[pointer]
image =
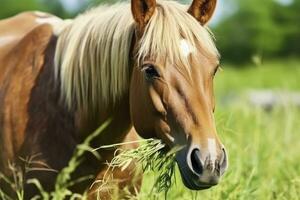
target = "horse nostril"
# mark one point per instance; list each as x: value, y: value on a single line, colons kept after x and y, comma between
x: 196, y: 162
x: 224, y: 160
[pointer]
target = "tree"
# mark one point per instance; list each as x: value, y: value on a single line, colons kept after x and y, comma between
x: 265, y: 28
x: 9, y: 8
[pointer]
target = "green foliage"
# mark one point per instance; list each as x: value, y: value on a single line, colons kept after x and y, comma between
x: 16, y: 183
x: 151, y: 156
x: 63, y: 181
x: 288, y: 19
x: 10, y: 8
x: 267, y: 29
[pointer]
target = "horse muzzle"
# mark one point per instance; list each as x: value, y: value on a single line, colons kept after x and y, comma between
x: 200, y: 169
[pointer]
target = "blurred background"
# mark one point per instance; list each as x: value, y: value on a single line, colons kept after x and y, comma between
x: 257, y: 94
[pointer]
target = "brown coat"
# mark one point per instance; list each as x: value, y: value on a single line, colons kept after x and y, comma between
x: 34, y: 123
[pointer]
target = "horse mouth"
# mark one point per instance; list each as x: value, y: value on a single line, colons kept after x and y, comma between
x: 190, y: 182
x: 190, y: 179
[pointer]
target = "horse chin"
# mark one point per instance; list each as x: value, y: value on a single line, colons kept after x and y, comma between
x: 189, y: 180
x: 190, y: 183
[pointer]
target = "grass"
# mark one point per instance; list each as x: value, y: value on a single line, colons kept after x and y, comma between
x: 263, y: 147
x: 264, y: 157
x: 151, y: 156
x: 63, y: 181
x: 282, y: 74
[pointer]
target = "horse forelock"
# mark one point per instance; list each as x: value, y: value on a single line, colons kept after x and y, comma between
x: 93, y: 54
x: 174, y: 34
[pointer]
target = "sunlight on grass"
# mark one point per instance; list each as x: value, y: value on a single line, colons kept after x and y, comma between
x: 263, y: 157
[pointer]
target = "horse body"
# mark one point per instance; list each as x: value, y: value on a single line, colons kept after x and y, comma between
x: 17, y: 79
x: 34, y: 122
x: 60, y: 80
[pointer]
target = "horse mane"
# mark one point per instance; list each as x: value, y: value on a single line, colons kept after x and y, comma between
x: 93, y: 53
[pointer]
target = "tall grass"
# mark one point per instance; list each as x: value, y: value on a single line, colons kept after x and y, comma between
x: 63, y: 181
x: 151, y: 156
x: 264, y: 156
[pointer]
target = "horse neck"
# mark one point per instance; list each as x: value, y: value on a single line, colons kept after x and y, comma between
x: 87, y: 122
x: 76, y: 123
x: 119, y: 113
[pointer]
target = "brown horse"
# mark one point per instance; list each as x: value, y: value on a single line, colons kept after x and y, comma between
x: 149, y: 68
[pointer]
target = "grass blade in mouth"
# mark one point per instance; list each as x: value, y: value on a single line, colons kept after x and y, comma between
x: 151, y: 155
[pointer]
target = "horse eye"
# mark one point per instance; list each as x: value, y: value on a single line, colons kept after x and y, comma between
x: 150, y: 71
x: 216, y: 70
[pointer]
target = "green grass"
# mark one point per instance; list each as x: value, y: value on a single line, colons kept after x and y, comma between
x: 264, y: 155
x: 63, y: 181
x: 150, y: 156
x: 282, y: 74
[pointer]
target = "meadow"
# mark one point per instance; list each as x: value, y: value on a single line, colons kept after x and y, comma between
x: 263, y: 146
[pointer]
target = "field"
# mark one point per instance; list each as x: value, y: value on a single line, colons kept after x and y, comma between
x: 263, y: 147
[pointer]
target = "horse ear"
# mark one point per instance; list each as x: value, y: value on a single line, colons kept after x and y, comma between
x: 142, y: 11
x: 202, y: 10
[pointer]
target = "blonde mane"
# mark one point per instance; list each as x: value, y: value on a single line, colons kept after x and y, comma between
x: 93, y: 53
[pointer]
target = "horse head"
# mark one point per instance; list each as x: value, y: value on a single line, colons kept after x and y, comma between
x: 171, y: 91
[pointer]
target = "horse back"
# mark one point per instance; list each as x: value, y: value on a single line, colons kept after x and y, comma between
x: 13, y: 29
x: 22, y: 47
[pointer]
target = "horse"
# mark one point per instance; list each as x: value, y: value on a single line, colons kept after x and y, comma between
x: 147, y: 65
